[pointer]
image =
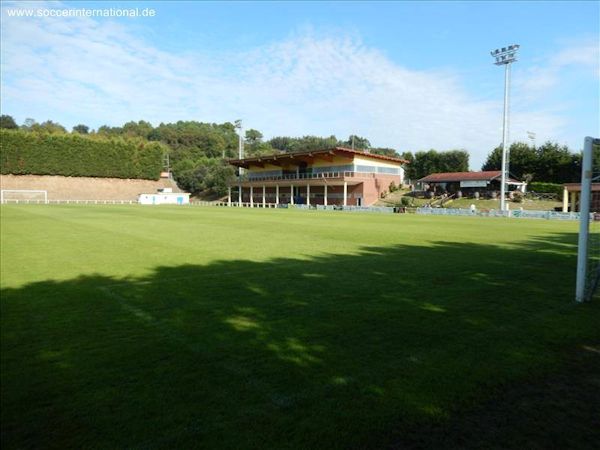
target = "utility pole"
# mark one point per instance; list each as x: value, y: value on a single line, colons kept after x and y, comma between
x: 505, y: 57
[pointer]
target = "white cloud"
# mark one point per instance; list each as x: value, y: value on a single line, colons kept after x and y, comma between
x: 584, y: 55
x: 95, y: 72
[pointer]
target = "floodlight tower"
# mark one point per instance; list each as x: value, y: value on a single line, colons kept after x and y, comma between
x: 505, y: 57
x: 238, y: 125
x: 531, y: 135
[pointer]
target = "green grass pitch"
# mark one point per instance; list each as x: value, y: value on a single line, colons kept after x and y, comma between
x: 174, y: 327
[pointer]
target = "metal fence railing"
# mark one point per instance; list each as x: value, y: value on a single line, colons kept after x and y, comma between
x: 550, y: 196
x: 69, y: 202
x: 517, y: 213
x: 310, y: 176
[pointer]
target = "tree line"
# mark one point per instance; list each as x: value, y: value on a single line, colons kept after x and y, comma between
x: 198, y: 151
x: 549, y: 163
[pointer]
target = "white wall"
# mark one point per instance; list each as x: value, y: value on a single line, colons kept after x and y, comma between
x: 164, y: 199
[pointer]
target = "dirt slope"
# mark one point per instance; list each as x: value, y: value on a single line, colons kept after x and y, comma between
x: 86, y: 188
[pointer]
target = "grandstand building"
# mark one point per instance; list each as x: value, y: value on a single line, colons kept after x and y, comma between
x: 335, y: 176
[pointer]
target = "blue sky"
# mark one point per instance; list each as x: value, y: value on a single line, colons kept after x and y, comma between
x: 407, y: 75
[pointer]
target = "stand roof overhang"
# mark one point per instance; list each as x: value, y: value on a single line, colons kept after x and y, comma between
x: 455, y: 177
x: 310, y: 156
x: 576, y: 187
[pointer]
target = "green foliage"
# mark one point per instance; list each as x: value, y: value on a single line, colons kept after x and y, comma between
x: 258, y: 149
x: 406, y: 201
x: 305, y: 143
x: 141, y: 129
x: 253, y: 136
x: 48, y: 126
x: 28, y: 124
x: 549, y: 162
x: 385, y: 151
x: 23, y: 153
x: 432, y: 161
x: 517, y: 197
x: 107, y: 131
x: 194, y: 140
x: 254, y: 145
x: 289, y: 144
x: 359, y: 143
x: 208, y: 175
x: 8, y: 122
x: 195, y: 149
x: 557, y: 164
x: 81, y: 129
x: 409, y: 169
x: 548, y: 188
x: 392, y: 187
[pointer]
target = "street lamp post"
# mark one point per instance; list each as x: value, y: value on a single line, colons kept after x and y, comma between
x: 505, y: 57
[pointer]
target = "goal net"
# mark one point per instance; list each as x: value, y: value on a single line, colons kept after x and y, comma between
x: 588, y: 252
x: 23, y: 196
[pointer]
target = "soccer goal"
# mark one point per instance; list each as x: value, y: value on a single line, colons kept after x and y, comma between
x: 588, y: 251
x: 23, y: 196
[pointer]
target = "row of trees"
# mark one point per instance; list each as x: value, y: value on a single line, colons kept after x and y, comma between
x: 423, y: 163
x: 197, y: 151
x: 549, y: 162
x: 31, y: 153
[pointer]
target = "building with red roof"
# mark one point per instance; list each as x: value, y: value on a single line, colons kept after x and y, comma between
x: 466, y: 182
x: 333, y: 176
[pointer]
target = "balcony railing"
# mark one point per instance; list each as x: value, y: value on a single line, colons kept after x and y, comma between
x: 309, y: 176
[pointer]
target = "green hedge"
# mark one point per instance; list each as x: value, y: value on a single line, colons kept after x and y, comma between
x: 28, y: 153
x: 547, y: 188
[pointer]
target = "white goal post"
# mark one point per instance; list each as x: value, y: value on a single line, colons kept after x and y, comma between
x: 588, y: 261
x: 24, y: 195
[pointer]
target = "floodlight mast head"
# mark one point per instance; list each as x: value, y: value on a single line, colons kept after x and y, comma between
x: 505, y: 55
x: 238, y: 125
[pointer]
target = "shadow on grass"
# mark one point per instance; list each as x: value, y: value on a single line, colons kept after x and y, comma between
x: 393, y: 345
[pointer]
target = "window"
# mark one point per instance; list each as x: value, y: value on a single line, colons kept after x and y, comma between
x: 268, y: 173
x: 346, y: 168
x: 389, y: 170
x: 378, y: 169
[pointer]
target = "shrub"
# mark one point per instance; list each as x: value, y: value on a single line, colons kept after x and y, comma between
x: 73, y: 155
x: 393, y: 187
x: 517, y: 197
x: 549, y: 188
x: 406, y: 201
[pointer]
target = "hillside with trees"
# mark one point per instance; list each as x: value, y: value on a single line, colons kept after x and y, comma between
x: 197, y: 152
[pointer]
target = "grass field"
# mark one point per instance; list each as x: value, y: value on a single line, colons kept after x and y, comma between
x: 170, y: 327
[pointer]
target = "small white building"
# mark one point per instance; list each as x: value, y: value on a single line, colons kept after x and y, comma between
x: 164, y: 198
